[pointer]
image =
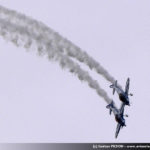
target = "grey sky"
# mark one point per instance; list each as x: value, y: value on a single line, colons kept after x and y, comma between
x: 40, y: 102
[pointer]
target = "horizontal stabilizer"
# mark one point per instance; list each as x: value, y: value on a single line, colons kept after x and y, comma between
x: 110, y: 106
x: 114, y: 86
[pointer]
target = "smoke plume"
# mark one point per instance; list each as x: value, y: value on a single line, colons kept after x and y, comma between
x: 21, y: 36
x: 61, y: 44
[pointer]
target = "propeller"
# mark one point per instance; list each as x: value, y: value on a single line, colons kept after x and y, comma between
x: 126, y: 115
x: 131, y: 94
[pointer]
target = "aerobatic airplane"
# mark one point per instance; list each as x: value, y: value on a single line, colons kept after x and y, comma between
x: 123, y: 96
x: 119, y: 116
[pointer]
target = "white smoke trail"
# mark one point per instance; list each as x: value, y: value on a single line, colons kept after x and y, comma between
x: 61, y: 44
x: 21, y: 36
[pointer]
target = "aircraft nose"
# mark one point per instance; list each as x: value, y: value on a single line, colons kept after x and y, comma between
x: 124, y: 123
x: 128, y: 103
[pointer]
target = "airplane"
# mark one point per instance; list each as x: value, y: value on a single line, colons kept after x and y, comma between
x: 119, y: 116
x: 123, y: 96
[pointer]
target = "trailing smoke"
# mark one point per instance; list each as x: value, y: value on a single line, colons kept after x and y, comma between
x: 61, y: 44
x: 21, y: 36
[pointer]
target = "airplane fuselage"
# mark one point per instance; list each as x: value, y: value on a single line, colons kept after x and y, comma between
x: 120, y: 119
x: 122, y: 96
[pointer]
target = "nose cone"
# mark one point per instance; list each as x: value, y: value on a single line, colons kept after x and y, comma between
x: 124, y: 123
x: 127, y: 102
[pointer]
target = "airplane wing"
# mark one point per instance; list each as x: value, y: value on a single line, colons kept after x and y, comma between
x: 122, y: 109
x: 127, y: 86
x: 117, y: 130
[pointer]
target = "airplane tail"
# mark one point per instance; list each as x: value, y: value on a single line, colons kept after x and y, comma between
x: 113, y: 86
x: 110, y: 106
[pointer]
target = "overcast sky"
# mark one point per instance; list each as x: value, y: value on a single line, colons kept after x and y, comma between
x: 40, y: 102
